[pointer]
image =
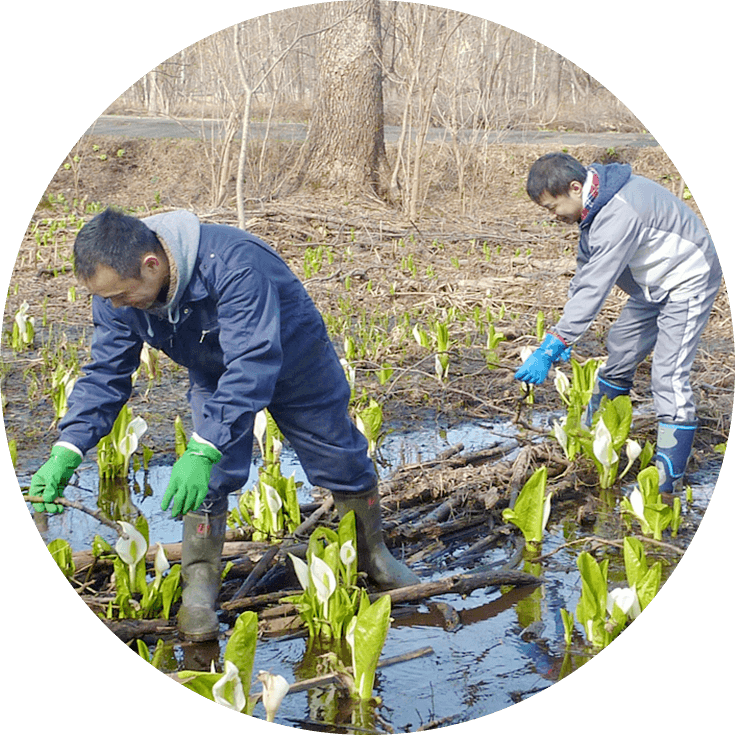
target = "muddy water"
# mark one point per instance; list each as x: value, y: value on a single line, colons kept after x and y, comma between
x: 498, y: 649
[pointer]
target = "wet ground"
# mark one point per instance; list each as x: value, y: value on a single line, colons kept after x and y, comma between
x: 494, y: 648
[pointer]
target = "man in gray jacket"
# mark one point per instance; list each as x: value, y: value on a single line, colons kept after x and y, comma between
x: 223, y: 304
x: 639, y: 236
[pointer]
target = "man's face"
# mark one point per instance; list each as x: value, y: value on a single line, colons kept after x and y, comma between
x: 566, y: 207
x: 141, y: 293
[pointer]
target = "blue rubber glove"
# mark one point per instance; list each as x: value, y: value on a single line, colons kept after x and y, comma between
x: 536, y: 367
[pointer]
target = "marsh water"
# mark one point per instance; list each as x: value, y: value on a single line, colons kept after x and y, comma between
x: 501, y: 646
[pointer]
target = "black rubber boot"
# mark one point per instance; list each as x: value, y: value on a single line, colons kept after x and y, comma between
x: 373, y: 556
x: 201, y: 572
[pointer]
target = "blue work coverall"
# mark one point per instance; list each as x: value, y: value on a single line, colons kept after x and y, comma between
x: 251, y: 338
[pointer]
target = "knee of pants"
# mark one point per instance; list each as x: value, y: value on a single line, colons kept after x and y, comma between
x: 330, y: 448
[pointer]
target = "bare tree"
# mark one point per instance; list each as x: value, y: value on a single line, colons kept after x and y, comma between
x: 337, y: 66
x: 426, y: 34
x: 345, y: 149
x: 554, y: 86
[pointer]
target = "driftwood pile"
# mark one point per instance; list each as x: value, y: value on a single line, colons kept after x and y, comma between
x: 442, y: 516
x: 439, y: 515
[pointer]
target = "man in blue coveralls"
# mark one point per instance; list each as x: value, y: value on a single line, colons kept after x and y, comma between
x: 223, y: 304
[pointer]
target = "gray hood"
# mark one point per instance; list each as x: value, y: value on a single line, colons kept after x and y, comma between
x: 178, y: 233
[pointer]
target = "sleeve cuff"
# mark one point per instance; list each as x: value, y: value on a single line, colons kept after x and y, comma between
x: 67, y: 445
x: 199, y: 439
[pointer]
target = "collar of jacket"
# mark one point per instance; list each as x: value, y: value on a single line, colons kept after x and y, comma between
x: 613, y: 177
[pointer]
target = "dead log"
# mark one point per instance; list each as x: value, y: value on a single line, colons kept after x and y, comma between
x: 231, y: 550
x: 258, y: 571
x: 520, y: 471
x: 258, y: 601
x: 127, y: 630
x: 461, y: 584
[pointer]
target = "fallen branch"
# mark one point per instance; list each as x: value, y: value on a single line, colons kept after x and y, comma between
x: 461, y: 584
x: 597, y: 541
x: 312, y: 520
x: 96, y: 514
x: 458, y: 584
x: 128, y: 629
x: 258, y: 601
x: 230, y: 550
x: 258, y: 571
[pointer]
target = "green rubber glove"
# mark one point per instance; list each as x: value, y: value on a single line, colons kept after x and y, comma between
x: 51, y: 478
x: 189, y: 481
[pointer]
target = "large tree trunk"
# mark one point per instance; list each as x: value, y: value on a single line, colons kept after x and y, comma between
x: 554, y: 89
x: 346, y: 148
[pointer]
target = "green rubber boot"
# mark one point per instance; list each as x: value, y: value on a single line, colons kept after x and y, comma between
x: 201, y: 572
x: 373, y: 556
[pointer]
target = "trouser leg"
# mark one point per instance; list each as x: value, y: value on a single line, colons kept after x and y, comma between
x: 231, y: 473
x: 311, y: 410
x: 629, y: 341
x: 672, y: 330
x: 680, y: 327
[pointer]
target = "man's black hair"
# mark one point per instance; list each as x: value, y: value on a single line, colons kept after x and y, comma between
x: 116, y: 240
x: 554, y: 173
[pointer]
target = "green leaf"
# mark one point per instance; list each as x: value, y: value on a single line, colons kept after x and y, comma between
x: 291, y: 504
x: 540, y: 325
x: 61, y: 552
x: 100, y: 547
x: 180, y: 440
x: 593, y: 601
x: 648, y: 586
x: 370, y: 422
x: 567, y: 620
x: 122, y: 588
x: 170, y: 590
x: 200, y: 682
x: 636, y: 565
x: 347, y: 530
x: 646, y: 454
x: 659, y: 517
x: 241, y: 647
x: 618, y: 417
x: 528, y: 511
x: 371, y: 630
x: 648, y: 483
x: 158, y: 653
x: 143, y: 651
